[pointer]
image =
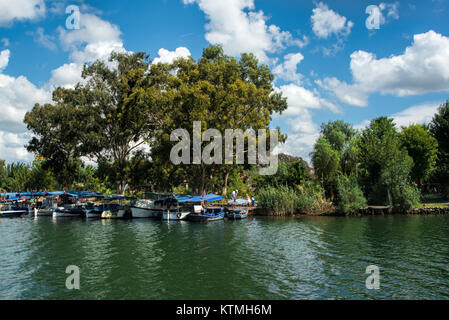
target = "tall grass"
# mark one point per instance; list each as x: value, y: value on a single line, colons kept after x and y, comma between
x: 284, y: 200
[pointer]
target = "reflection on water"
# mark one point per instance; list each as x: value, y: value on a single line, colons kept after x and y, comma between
x: 261, y: 258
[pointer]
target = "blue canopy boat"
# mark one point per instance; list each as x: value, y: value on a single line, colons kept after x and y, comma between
x: 201, y: 214
x: 209, y: 214
x: 237, y: 214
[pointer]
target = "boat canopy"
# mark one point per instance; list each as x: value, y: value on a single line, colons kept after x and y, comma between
x: 207, y: 198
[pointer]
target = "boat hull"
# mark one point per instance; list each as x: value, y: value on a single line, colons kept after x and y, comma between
x: 13, y: 214
x: 167, y: 215
x: 93, y: 214
x: 205, y: 217
x: 68, y: 214
x: 143, y: 213
x: 116, y: 214
x: 237, y: 216
x: 44, y: 212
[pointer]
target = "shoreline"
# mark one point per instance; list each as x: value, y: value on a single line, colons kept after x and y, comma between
x: 369, y: 211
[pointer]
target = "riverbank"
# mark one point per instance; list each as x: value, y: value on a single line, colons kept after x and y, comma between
x: 368, y: 211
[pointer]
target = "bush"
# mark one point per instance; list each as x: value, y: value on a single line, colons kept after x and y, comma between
x: 349, y: 196
x: 283, y: 200
x: 405, y: 197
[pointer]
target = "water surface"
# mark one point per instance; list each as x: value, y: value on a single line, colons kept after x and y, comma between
x: 261, y: 258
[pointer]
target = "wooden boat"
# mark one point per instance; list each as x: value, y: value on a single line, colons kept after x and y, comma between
x: 207, y: 215
x: 237, y: 214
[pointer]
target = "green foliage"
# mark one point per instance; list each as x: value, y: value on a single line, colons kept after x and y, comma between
x: 291, y: 172
x: 284, y: 200
x: 385, y: 165
x: 106, y: 117
x: 422, y: 147
x: 440, y: 129
x: 326, y: 162
x: 218, y: 90
x: 338, y: 133
x: 350, y: 197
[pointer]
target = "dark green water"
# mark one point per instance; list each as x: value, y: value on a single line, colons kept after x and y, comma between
x: 261, y: 258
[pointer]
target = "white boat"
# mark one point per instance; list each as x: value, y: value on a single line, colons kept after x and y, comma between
x: 143, y: 209
x: 175, y: 215
x: 47, y: 208
x: 151, y: 206
x: 10, y: 211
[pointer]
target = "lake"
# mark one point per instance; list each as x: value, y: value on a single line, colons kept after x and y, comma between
x: 260, y: 258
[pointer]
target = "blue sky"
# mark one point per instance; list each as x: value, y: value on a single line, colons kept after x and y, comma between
x: 326, y: 61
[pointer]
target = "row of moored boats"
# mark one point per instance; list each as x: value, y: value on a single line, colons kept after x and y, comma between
x: 163, y: 206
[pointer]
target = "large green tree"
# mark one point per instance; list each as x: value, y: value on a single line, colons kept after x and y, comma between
x: 439, y: 126
x: 385, y: 166
x: 422, y: 147
x: 106, y: 117
x: 219, y: 91
x: 326, y: 162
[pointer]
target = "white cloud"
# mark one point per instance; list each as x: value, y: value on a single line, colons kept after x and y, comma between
x: 391, y: 10
x: 302, y: 131
x: 95, y: 39
x: 11, y: 10
x: 166, y: 56
x: 4, y: 59
x: 326, y: 22
x: 288, y: 69
x: 12, y: 147
x: 44, y: 39
x: 422, y: 68
x: 300, y: 99
x: 419, y: 114
x: 239, y: 28
x: 18, y: 95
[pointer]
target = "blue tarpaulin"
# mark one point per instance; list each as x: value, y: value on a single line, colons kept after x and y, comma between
x: 206, y: 198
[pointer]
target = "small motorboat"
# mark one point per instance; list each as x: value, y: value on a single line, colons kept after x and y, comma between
x: 207, y: 215
x: 94, y: 212
x: 237, y: 214
x: 74, y: 212
x: 116, y: 210
x: 175, y: 215
x: 12, y: 211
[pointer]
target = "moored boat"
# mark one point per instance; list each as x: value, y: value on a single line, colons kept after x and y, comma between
x: 151, y: 206
x: 11, y: 211
x: 207, y: 215
x: 74, y: 212
x: 116, y: 210
x: 237, y: 214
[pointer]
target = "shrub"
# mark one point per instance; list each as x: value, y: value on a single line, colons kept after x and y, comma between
x: 349, y: 196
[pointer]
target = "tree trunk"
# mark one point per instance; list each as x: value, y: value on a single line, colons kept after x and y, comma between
x: 225, y: 184
x: 203, y: 178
